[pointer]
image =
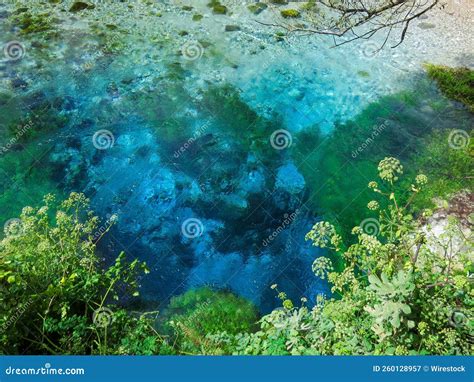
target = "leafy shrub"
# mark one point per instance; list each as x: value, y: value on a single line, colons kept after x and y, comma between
x: 403, y: 291
x: 57, y: 297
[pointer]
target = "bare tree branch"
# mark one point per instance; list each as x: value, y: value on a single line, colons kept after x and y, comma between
x: 357, y: 19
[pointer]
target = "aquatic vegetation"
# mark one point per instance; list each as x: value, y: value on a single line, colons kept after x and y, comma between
x: 456, y: 83
x: 30, y: 23
x: 186, y: 116
x: 52, y: 278
x: 202, y: 312
x: 238, y: 120
x: 448, y: 169
x: 257, y: 8
x: 290, y: 13
x: 391, y: 301
x: 217, y: 7
x: 339, y: 165
x: 78, y: 6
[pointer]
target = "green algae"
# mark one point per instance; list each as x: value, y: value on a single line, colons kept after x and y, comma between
x: 290, y: 13
x: 257, y: 8
x: 455, y: 83
x: 241, y: 122
x: 338, y: 167
x: 26, y: 178
x: 217, y: 7
x: 30, y: 23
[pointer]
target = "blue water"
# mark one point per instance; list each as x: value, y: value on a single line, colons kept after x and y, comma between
x: 202, y: 195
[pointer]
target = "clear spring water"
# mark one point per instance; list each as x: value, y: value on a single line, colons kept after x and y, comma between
x: 187, y: 137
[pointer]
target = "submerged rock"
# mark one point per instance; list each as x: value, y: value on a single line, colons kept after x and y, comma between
x: 232, y: 28
x: 289, y: 179
x: 80, y: 6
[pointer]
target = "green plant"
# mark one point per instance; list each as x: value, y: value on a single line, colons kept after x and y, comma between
x: 455, y: 83
x: 202, y: 312
x: 404, y: 289
x: 290, y: 13
x: 57, y: 296
x: 30, y: 23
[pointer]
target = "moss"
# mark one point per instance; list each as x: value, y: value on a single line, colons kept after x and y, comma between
x: 206, y: 311
x: 197, y: 17
x: 363, y: 73
x: 279, y: 2
x: 32, y: 23
x: 447, y: 169
x: 241, y: 122
x: 455, y: 83
x: 217, y: 7
x: 290, y: 13
x: 257, y: 8
x: 78, y: 6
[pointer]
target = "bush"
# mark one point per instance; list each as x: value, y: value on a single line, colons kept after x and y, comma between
x: 57, y: 297
x: 403, y: 290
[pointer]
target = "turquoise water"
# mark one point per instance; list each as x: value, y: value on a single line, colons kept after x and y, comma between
x: 189, y: 139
